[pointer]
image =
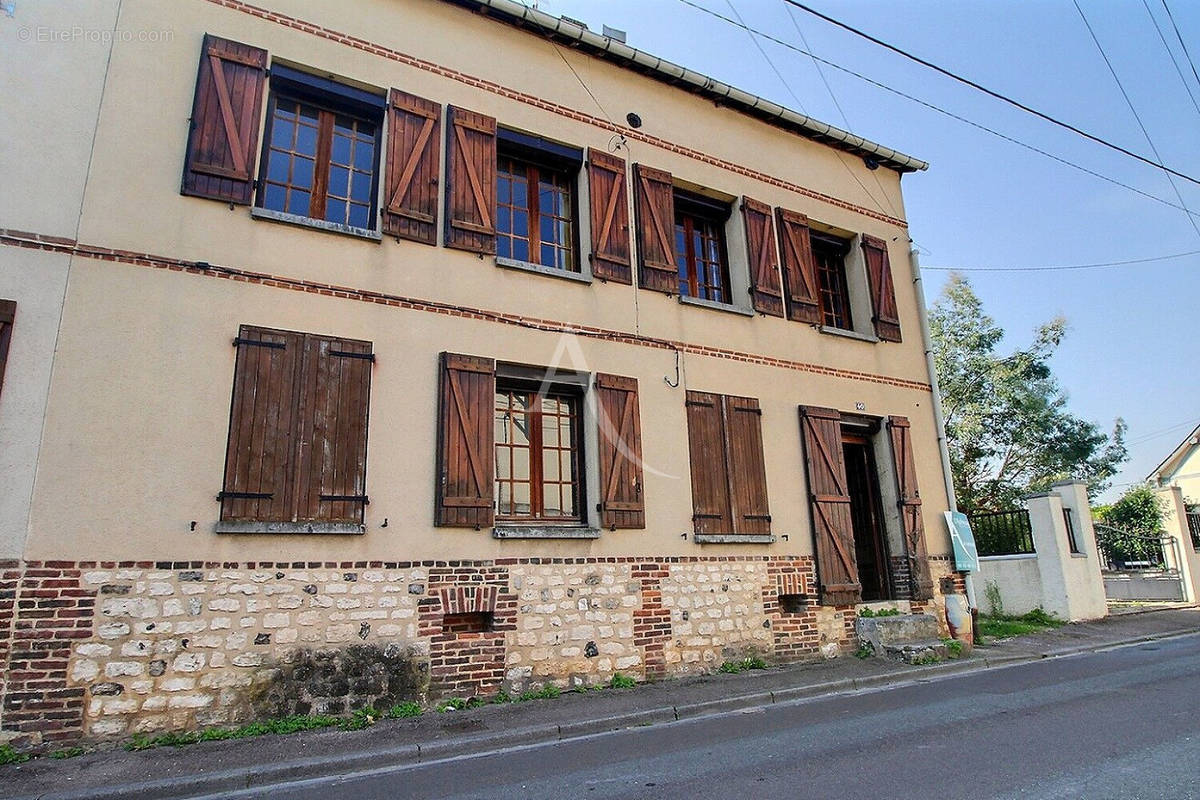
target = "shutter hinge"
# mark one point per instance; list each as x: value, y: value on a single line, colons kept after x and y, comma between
x: 244, y: 496
x: 347, y: 354
x: 763, y: 517
x: 750, y: 410
x: 345, y: 498
x: 238, y: 342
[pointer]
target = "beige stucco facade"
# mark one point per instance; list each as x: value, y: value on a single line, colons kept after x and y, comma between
x: 1181, y: 469
x: 115, y: 409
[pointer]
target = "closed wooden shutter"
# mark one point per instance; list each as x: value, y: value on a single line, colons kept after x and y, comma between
x: 765, y: 290
x: 471, y: 181
x: 223, y: 140
x: 466, y: 442
x: 8, y: 314
x: 833, y: 530
x: 747, y: 470
x: 332, y: 454
x: 801, y: 292
x: 711, y: 507
x: 414, y: 149
x: 297, y: 428
x: 621, y: 502
x: 655, y: 205
x: 883, y: 290
x: 260, y: 461
x: 905, y: 468
x: 609, y: 217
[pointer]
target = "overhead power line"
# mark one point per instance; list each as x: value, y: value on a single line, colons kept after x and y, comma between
x: 1057, y: 267
x: 1178, y: 69
x: 992, y: 93
x: 1133, y: 110
x: 933, y: 107
x: 1182, y: 43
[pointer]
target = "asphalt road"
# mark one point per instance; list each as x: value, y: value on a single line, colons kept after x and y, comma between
x: 1122, y: 724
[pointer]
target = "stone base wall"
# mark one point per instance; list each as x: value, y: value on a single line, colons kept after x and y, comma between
x: 92, y: 650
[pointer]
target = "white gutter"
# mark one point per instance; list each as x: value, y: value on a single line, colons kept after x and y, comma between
x: 702, y: 83
x: 939, y: 419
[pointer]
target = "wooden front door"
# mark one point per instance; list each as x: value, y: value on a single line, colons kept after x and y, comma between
x: 862, y: 479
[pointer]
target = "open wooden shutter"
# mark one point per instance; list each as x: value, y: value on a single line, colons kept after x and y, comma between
x: 609, y: 217
x: 466, y: 442
x: 883, y: 290
x: 8, y: 313
x: 655, y: 205
x: 747, y: 470
x: 910, y: 508
x: 332, y: 457
x: 414, y: 146
x: 621, y: 501
x: 833, y: 530
x: 223, y: 140
x: 800, y: 287
x: 711, y: 509
x: 765, y: 291
x: 260, y: 457
x: 471, y: 181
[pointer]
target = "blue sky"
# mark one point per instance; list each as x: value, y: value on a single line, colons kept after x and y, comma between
x: 986, y: 202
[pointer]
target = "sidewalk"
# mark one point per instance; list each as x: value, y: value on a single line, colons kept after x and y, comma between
x: 211, y: 767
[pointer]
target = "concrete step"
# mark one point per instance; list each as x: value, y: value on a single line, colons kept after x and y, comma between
x: 904, y: 636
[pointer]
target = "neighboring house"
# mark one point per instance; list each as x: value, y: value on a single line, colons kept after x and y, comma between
x: 1181, y: 468
x: 431, y: 372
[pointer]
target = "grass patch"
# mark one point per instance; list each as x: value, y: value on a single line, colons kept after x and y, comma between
x: 10, y: 756
x: 281, y: 726
x: 864, y: 652
x: 547, y: 692
x: 403, y: 710
x: 619, y: 681
x: 1000, y: 626
x: 68, y: 752
x: 868, y: 613
x: 741, y: 665
x: 954, y: 648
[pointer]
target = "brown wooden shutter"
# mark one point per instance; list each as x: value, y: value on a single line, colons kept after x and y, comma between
x: 8, y: 314
x: 414, y: 147
x: 883, y: 290
x: 223, y: 140
x: 765, y: 290
x: 609, y: 217
x: 833, y: 531
x: 655, y: 206
x: 260, y: 457
x: 621, y: 501
x: 466, y: 442
x: 905, y: 468
x: 332, y: 451
x: 711, y: 508
x: 801, y: 292
x: 747, y: 470
x: 470, y: 181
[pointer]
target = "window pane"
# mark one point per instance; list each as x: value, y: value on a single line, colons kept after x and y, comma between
x: 306, y: 140
x: 550, y: 501
x: 364, y: 155
x: 276, y: 196
x: 298, y: 203
x: 549, y: 256
x: 360, y: 216
x: 521, y: 223
x: 335, y: 210
x: 503, y: 247
x: 360, y: 187
x: 504, y: 496
x: 521, y: 249
x: 282, y: 132
x: 302, y: 173
x: 340, y: 154
x: 277, y: 167
x: 339, y: 180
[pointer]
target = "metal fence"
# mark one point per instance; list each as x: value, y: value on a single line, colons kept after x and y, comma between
x: 1003, y: 533
x: 1193, y: 522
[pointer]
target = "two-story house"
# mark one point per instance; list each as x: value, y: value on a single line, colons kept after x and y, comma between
x: 354, y: 351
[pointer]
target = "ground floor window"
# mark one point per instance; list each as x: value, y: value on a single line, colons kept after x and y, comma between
x: 537, y: 454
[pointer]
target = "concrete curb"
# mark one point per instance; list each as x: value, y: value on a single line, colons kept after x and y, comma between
x: 264, y: 776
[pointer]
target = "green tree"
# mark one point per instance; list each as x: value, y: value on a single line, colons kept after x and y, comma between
x: 1127, y: 524
x: 1007, y: 425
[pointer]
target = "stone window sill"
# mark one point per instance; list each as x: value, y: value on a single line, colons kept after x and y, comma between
x: 337, y: 528
x: 1011, y: 557
x: 318, y: 224
x: 862, y: 337
x: 544, y: 532
x: 542, y: 269
x: 1078, y: 555
x: 715, y: 306
x: 733, y: 538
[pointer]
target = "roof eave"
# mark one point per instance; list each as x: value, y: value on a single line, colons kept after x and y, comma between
x: 562, y: 30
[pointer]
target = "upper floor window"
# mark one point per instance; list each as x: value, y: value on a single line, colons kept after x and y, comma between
x: 535, y: 201
x: 700, y: 252
x: 829, y: 253
x: 321, y: 157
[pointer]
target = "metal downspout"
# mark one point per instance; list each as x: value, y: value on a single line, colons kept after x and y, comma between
x: 938, y: 417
